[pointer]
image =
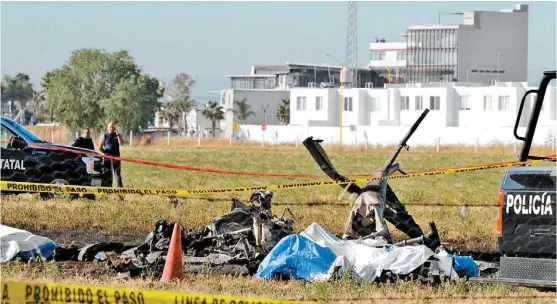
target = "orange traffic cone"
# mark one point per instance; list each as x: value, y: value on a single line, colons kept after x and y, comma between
x: 173, y: 266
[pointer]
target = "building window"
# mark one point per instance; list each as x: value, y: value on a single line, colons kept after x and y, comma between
x: 404, y: 103
x: 418, y: 103
x: 464, y: 105
x: 376, y: 55
x: 318, y: 103
x: 301, y: 103
x: 348, y: 104
x: 375, y: 104
x: 487, y: 103
x: 434, y: 102
x: 401, y: 55
x: 504, y: 103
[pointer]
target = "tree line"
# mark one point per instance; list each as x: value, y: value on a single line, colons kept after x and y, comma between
x: 95, y: 86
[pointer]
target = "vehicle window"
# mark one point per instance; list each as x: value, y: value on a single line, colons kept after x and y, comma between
x: 27, y: 133
x: 5, y: 136
x: 531, y: 181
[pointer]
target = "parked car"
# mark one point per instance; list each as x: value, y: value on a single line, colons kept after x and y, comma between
x: 27, y: 158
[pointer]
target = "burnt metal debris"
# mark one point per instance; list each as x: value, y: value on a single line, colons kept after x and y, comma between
x: 234, y: 243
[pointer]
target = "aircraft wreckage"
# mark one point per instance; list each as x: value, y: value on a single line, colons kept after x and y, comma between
x: 252, y: 241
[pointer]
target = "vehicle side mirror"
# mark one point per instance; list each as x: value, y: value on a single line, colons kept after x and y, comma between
x: 18, y: 143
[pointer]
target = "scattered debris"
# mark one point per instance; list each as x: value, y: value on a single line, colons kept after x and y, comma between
x: 317, y: 255
x: 231, y: 244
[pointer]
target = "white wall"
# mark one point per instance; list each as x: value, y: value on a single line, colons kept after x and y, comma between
x: 303, y: 117
x: 391, y: 50
x: 382, y: 96
x: 448, y: 122
x: 352, y: 117
x: 477, y: 116
x: 491, y: 33
x: 391, y: 135
x: 394, y: 105
x: 330, y: 115
x: 435, y: 118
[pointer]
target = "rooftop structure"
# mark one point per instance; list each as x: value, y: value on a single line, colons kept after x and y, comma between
x: 293, y: 75
x: 488, y: 46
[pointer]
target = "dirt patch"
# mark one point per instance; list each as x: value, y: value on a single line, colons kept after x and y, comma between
x: 84, y: 236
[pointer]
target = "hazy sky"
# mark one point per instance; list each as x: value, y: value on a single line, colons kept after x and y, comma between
x: 213, y: 39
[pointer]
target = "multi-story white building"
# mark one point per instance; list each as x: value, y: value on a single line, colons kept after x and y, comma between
x: 451, y: 105
x: 488, y: 46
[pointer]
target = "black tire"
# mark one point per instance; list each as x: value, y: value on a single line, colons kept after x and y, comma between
x: 50, y: 195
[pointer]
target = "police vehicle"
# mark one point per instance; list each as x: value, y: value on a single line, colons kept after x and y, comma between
x: 527, y: 215
x: 27, y: 158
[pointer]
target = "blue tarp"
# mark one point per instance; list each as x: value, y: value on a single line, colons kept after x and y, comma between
x: 43, y: 251
x: 296, y: 257
x: 302, y: 257
x: 465, y: 266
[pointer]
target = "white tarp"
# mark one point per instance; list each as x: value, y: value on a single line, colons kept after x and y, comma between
x: 16, y: 242
x: 370, y: 257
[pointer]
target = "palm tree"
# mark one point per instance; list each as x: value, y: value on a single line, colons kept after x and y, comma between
x: 36, y: 102
x: 243, y: 111
x: 23, y: 89
x: 19, y: 90
x: 283, y: 111
x: 176, y: 108
x: 185, y: 105
x: 214, y: 113
x: 45, y: 82
x: 169, y: 113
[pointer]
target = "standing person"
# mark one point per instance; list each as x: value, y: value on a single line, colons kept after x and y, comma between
x: 84, y: 141
x: 110, y: 145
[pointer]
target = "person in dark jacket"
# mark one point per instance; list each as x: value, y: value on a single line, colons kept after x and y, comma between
x: 84, y: 141
x: 110, y: 145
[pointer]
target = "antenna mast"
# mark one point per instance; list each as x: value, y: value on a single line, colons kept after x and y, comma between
x: 351, y: 61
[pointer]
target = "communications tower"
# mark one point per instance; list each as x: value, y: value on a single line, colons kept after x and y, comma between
x: 351, y: 60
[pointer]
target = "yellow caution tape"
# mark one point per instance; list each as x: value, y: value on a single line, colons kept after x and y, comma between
x: 54, y: 188
x: 25, y: 292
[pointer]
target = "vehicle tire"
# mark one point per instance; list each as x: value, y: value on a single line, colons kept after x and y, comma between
x: 50, y: 195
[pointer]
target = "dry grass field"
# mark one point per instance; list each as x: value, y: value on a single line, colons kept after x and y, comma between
x: 108, y: 219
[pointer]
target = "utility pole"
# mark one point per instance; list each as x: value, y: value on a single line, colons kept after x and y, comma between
x: 498, y: 74
x: 342, y: 80
x: 264, y: 113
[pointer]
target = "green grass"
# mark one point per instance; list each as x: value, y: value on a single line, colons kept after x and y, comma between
x: 476, y: 230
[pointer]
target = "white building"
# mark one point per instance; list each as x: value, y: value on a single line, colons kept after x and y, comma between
x: 265, y: 88
x: 389, y: 59
x: 451, y: 105
x: 488, y: 46
x: 460, y: 114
